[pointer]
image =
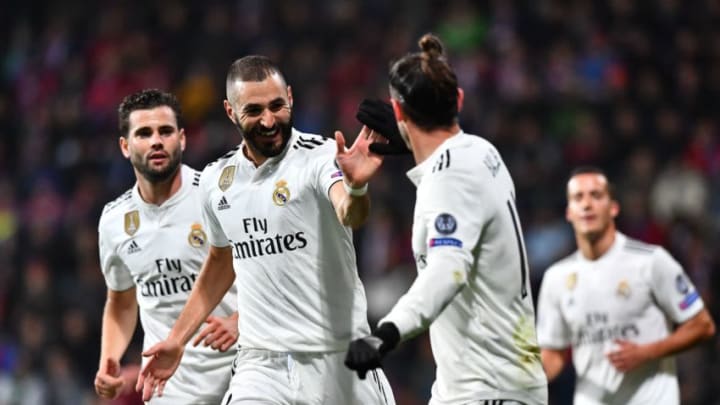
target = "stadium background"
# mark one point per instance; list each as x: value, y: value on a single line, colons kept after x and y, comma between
x: 628, y: 85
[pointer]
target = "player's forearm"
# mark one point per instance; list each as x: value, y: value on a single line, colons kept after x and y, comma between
x: 553, y: 362
x: 354, y: 210
x: 118, y: 325
x: 430, y: 293
x: 216, y: 278
x: 695, y: 330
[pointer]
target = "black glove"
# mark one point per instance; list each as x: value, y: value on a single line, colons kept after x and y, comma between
x: 366, y: 353
x: 378, y: 116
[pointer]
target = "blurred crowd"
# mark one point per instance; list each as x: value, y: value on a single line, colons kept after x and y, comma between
x: 626, y: 85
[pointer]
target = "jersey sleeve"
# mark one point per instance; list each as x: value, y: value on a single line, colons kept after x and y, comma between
x: 327, y: 172
x: 672, y: 288
x: 453, y: 230
x: 552, y: 330
x: 216, y: 235
x: 117, y: 275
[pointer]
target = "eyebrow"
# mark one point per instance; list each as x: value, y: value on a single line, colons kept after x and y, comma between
x: 252, y: 106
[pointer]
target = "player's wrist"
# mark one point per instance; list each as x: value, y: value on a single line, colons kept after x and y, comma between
x: 354, y: 190
x: 389, y: 334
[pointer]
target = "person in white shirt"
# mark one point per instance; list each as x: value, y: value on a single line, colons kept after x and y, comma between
x: 152, y: 242
x: 472, y: 288
x: 280, y: 210
x: 623, y: 306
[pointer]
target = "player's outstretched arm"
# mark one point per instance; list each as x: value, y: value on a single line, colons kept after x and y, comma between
x: 220, y: 333
x: 630, y: 356
x: 216, y: 278
x: 118, y: 325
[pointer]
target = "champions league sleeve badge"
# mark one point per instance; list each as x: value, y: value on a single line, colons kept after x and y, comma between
x: 281, y: 194
x: 132, y: 222
x: 445, y: 224
x: 197, y: 236
x: 226, y: 178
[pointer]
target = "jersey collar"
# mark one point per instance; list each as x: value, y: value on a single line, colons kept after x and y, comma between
x: 417, y: 173
x: 185, y: 180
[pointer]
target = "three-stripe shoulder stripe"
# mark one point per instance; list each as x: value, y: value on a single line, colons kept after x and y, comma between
x: 227, y: 155
x: 310, y: 142
x: 196, y: 178
x: 638, y: 246
x: 112, y: 204
x: 443, y: 161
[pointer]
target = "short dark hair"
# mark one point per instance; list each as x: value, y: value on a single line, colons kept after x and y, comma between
x: 425, y: 85
x: 145, y: 100
x: 251, y: 68
x: 589, y: 169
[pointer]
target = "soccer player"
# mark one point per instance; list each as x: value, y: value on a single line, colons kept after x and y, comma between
x: 279, y: 209
x: 152, y: 242
x: 472, y: 288
x: 623, y: 306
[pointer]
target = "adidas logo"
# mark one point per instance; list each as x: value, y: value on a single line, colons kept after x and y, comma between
x: 133, y: 248
x: 223, y: 204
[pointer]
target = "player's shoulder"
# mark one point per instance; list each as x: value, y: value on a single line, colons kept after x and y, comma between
x: 194, y: 176
x: 636, y: 247
x: 310, y: 144
x: 217, y: 166
x: 462, y: 158
x: 563, y: 267
x: 116, y: 208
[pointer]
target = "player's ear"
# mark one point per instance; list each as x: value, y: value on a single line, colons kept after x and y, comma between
x: 123, y: 144
x: 614, y: 209
x: 229, y: 111
x: 182, y: 139
x: 397, y: 109
x: 290, y: 99
x: 460, y: 99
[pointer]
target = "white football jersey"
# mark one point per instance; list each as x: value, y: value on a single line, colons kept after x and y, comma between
x: 160, y: 250
x: 294, y: 261
x: 484, y: 339
x: 634, y: 292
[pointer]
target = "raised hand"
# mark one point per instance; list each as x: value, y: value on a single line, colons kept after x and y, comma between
x: 378, y: 116
x: 358, y: 164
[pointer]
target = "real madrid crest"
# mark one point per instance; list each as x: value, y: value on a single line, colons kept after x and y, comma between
x: 571, y: 281
x: 226, y: 178
x: 197, y: 236
x: 623, y: 289
x: 132, y: 222
x: 281, y: 194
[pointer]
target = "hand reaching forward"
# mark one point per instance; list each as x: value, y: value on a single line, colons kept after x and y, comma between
x: 164, y: 360
x: 358, y: 164
x: 220, y: 333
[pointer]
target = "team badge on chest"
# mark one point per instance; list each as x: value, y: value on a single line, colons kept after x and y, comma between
x: 623, y: 289
x: 571, y: 281
x: 132, y: 222
x: 281, y: 194
x: 197, y: 236
x: 226, y: 178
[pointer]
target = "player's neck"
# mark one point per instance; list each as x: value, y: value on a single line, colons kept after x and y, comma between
x: 158, y: 193
x: 424, y: 143
x: 252, y: 155
x: 592, y: 248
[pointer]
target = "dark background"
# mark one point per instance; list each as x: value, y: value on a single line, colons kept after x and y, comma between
x: 627, y: 85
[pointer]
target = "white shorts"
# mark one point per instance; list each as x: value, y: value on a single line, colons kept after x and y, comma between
x: 265, y: 377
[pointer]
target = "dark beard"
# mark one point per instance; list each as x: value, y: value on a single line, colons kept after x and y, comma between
x: 264, y: 149
x: 159, y: 176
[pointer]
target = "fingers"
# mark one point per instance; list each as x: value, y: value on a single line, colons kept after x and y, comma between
x: 226, y: 342
x: 340, y: 141
x: 206, y: 333
x: 148, y: 388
